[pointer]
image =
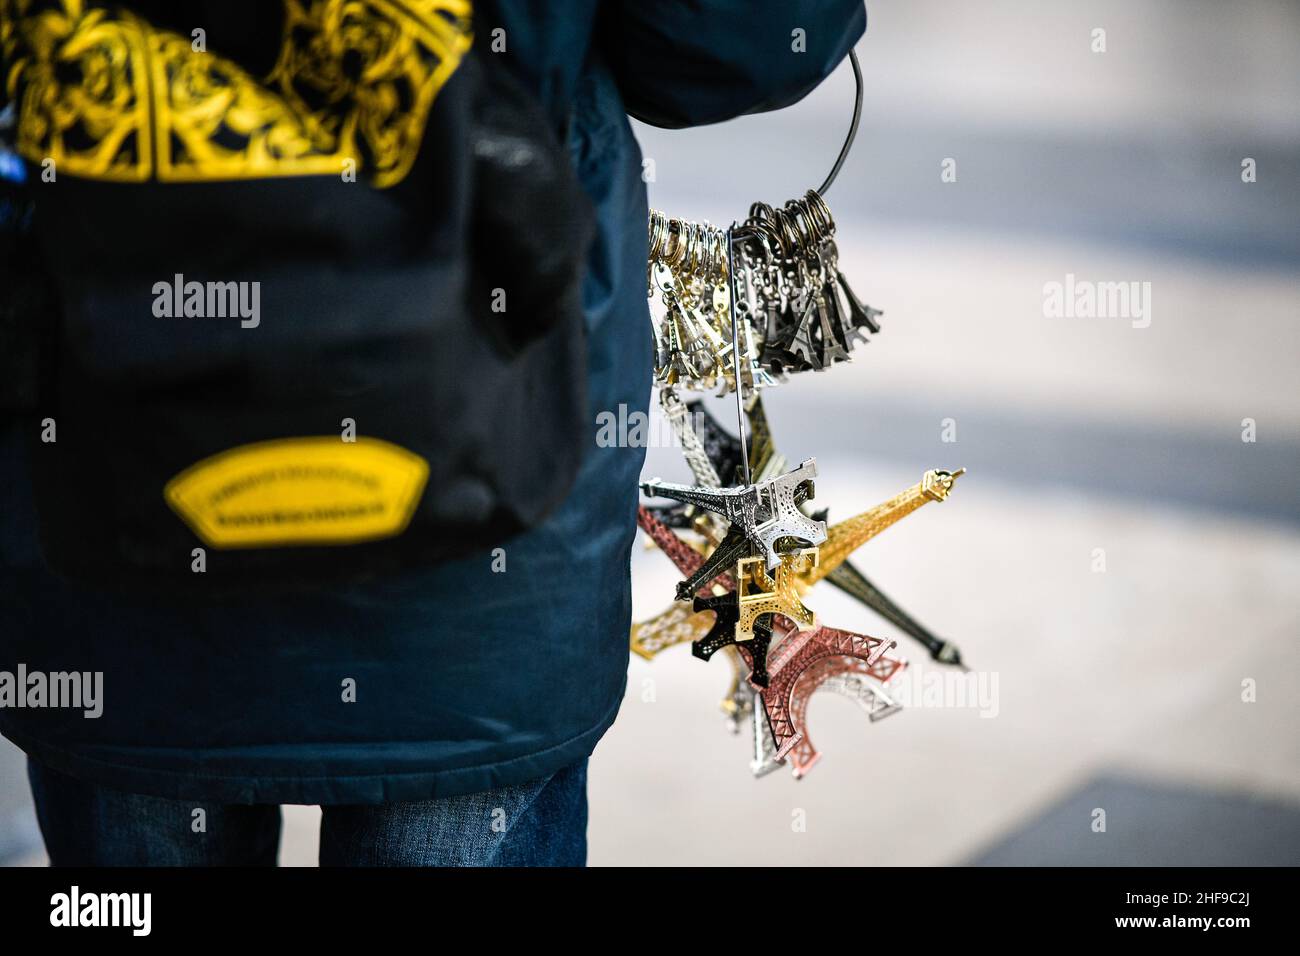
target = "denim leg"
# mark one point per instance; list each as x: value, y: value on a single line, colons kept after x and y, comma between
x: 539, y: 823
x: 87, y: 825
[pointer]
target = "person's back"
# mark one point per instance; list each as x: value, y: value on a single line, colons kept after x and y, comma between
x: 440, y: 713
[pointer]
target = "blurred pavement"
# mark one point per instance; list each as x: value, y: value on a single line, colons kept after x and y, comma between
x: 1120, y: 690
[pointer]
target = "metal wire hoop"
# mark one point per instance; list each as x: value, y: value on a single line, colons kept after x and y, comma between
x: 853, y: 127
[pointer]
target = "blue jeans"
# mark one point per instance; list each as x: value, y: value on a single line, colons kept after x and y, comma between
x: 540, y: 823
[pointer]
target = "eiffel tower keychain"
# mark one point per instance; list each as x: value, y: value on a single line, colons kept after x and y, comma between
x: 720, y: 452
x: 744, y: 309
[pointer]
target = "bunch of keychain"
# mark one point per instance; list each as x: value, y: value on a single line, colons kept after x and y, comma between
x: 794, y: 309
x: 744, y: 535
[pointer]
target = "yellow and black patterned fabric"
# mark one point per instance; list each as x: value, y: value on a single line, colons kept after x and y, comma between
x: 298, y: 322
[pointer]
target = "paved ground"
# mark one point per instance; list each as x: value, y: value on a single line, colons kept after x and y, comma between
x: 1119, y: 690
x: 1080, y: 434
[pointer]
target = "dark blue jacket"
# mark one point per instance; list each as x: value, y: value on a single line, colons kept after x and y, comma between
x: 466, y: 679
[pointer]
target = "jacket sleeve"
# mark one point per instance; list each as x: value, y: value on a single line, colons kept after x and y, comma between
x: 691, y: 62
